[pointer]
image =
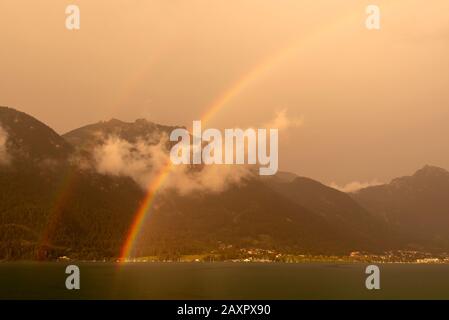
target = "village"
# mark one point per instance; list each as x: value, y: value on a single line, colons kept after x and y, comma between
x: 257, y: 255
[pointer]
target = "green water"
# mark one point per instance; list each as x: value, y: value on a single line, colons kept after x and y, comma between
x: 222, y: 281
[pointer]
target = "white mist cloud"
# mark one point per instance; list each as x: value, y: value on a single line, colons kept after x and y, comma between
x: 4, y: 156
x: 143, y: 162
x: 282, y: 122
x: 355, y: 185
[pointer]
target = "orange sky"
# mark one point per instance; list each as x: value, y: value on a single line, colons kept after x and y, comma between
x: 375, y: 104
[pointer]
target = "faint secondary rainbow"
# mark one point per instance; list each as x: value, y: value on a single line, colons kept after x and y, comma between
x: 66, y: 187
x: 235, y: 89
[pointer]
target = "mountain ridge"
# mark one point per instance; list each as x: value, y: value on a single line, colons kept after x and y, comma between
x: 417, y: 205
x: 93, y: 211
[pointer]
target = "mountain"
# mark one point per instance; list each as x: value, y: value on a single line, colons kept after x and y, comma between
x: 31, y: 140
x: 417, y: 206
x: 250, y: 215
x: 96, y: 133
x: 337, y: 209
x: 50, y: 206
x: 254, y: 213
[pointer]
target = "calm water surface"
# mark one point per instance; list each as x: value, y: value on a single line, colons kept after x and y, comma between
x: 222, y: 281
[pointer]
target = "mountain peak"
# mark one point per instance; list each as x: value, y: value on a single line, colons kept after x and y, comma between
x: 142, y: 120
x: 30, y: 138
x: 113, y: 121
x: 118, y: 122
x: 92, y: 134
x: 430, y: 171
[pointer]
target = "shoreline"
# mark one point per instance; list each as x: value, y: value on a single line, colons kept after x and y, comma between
x: 135, y: 262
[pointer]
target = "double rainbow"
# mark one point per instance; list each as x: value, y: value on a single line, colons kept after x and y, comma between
x: 235, y: 89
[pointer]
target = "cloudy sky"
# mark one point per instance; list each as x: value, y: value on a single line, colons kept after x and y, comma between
x: 373, y: 104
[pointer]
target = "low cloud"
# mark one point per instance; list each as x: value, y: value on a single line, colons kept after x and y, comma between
x: 355, y: 185
x: 145, y: 162
x: 282, y: 122
x: 4, y: 155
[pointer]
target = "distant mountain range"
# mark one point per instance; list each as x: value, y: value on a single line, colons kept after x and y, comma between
x: 415, y: 206
x: 51, y: 206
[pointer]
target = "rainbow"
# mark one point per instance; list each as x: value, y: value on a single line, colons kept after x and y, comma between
x: 235, y: 89
x: 215, y: 107
x: 67, y: 185
x: 143, y: 209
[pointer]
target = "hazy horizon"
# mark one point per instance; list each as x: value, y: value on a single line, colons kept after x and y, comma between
x: 372, y: 104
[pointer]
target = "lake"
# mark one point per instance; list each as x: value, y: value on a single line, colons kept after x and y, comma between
x: 27, y: 280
